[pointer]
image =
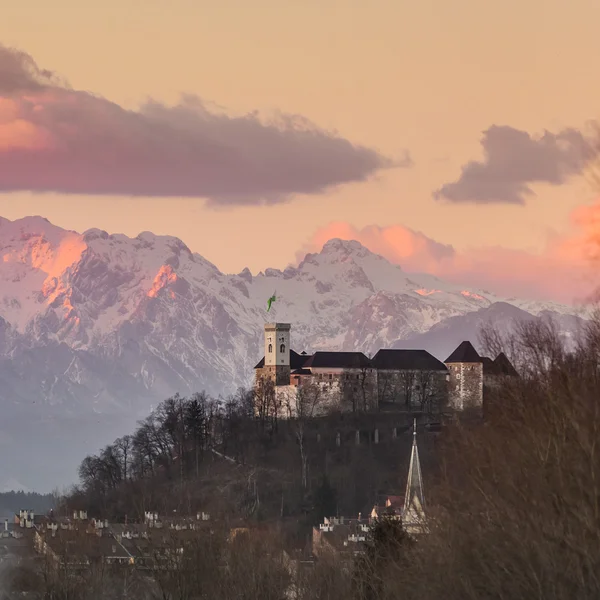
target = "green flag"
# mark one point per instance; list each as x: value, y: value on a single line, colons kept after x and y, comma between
x: 270, y: 301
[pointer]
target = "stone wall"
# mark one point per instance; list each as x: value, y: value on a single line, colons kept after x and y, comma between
x: 426, y: 390
x: 465, y: 385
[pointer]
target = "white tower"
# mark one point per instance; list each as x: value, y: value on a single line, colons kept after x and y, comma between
x: 277, y: 351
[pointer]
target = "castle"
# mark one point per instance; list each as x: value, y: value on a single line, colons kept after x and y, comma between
x: 352, y: 381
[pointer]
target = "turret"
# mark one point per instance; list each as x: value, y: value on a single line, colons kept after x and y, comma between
x: 277, y: 352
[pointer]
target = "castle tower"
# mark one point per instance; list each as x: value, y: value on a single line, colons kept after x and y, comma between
x: 413, y: 515
x: 465, y: 367
x: 277, y: 352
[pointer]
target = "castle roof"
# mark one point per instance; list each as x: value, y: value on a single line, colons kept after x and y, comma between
x: 465, y: 353
x: 504, y: 366
x: 301, y: 372
x: 489, y: 366
x: 407, y: 360
x: 296, y: 360
x: 337, y: 360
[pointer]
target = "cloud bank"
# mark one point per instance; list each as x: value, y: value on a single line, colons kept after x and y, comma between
x: 566, y: 271
x: 513, y: 160
x: 56, y: 139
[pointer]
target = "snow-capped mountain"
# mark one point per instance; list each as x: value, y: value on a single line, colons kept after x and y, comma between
x: 95, y: 329
x: 104, y: 321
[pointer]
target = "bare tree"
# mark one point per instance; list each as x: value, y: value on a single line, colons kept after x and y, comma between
x: 302, y: 404
x: 407, y: 380
x: 358, y: 389
x: 430, y: 390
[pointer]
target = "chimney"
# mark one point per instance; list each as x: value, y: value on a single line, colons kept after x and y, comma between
x: 5, y: 524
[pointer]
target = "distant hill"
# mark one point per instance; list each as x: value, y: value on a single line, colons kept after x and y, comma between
x: 12, y: 502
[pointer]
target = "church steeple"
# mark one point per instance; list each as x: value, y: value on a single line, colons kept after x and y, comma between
x: 414, y: 500
x: 414, y: 484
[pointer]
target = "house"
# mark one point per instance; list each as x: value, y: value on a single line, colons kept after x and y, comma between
x: 347, y: 537
x: 80, y: 547
x: 410, y: 508
x: 16, y: 543
x: 340, y: 536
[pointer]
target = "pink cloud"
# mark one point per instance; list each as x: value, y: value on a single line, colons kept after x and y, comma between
x: 54, y: 138
x: 566, y: 271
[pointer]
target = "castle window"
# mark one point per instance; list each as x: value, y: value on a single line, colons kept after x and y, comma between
x: 270, y: 348
x: 282, y: 348
x: 330, y: 376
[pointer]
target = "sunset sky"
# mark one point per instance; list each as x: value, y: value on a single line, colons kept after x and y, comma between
x: 425, y: 140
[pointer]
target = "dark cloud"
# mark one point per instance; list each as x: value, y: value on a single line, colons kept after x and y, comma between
x: 513, y: 160
x: 53, y: 138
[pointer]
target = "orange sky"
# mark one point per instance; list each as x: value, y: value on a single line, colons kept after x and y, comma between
x: 428, y: 77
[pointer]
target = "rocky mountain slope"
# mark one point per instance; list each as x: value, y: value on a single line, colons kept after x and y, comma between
x: 105, y: 325
x: 107, y: 322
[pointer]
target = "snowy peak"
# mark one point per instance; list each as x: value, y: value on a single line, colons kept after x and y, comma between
x: 106, y: 324
x: 112, y: 318
x: 345, y: 248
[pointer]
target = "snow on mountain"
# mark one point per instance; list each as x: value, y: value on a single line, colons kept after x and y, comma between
x: 97, y: 328
x: 12, y: 485
x: 106, y: 322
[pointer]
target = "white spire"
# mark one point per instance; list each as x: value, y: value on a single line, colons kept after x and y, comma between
x: 414, y: 484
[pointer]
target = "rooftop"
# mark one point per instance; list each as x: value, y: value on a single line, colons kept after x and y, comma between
x: 465, y: 353
x: 407, y: 360
x: 337, y: 360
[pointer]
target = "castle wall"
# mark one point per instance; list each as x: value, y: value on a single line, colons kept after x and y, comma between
x: 465, y: 385
x: 419, y: 389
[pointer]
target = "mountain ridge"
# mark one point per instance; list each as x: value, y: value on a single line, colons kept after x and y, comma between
x: 95, y: 328
x: 174, y: 321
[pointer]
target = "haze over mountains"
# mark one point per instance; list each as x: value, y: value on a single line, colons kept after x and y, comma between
x: 95, y: 329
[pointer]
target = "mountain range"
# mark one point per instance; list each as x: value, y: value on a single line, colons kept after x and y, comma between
x: 98, y: 328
